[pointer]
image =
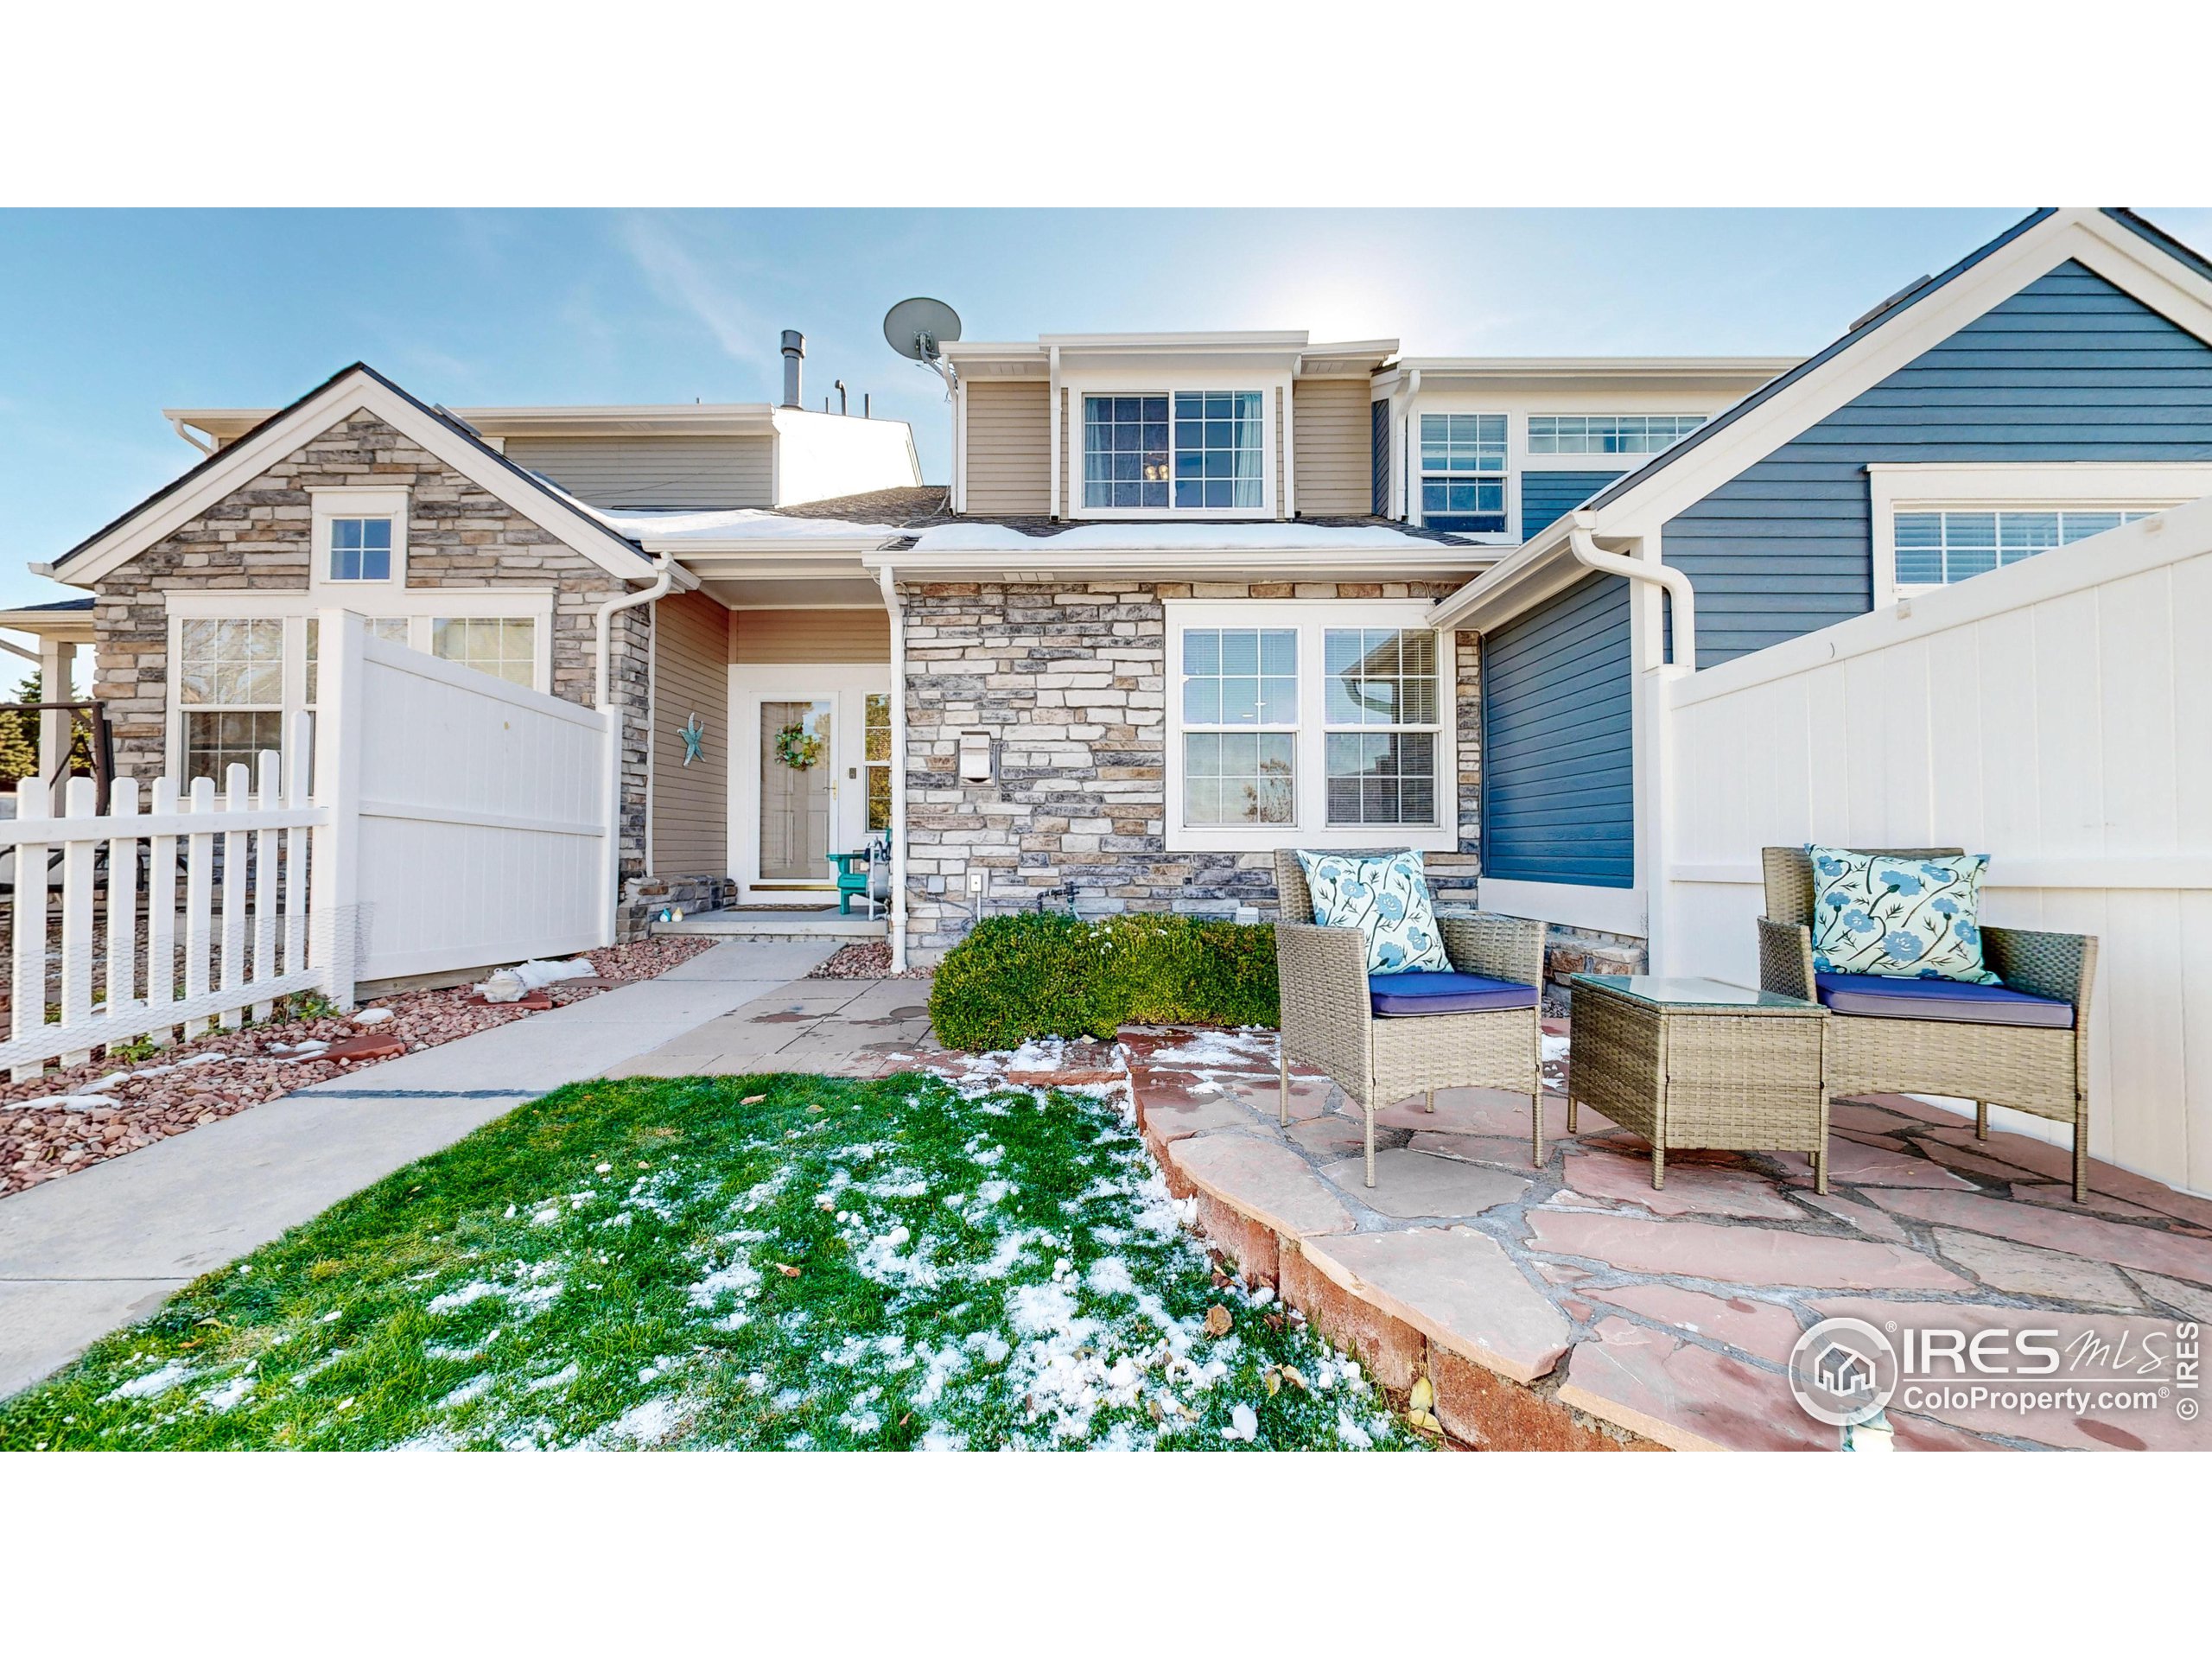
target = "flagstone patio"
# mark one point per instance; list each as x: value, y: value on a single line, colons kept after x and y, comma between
x: 1573, y: 1306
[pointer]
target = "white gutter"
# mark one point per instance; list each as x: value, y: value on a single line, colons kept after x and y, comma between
x: 603, y: 622
x: 1675, y: 583
x: 888, y: 582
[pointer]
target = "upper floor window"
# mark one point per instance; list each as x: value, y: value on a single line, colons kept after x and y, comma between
x: 1607, y: 434
x: 1940, y: 547
x: 360, y: 549
x: 1185, y: 450
x: 1463, y: 472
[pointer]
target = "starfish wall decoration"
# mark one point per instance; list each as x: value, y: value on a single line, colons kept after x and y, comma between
x: 694, y: 734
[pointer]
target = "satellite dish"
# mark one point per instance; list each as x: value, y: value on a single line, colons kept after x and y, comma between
x: 916, y: 327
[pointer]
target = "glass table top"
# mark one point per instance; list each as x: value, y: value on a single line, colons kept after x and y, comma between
x: 1671, y: 992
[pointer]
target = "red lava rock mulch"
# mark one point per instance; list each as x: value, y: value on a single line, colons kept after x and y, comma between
x: 870, y: 960
x: 40, y: 1145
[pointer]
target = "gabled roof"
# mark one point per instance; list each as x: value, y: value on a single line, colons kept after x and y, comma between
x: 2119, y: 245
x: 356, y: 386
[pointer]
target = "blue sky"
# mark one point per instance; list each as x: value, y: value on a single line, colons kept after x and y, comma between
x: 111, y: 315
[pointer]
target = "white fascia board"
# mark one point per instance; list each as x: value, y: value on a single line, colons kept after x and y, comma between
x: 1204, y: 340
x: 1263, y: 564
x: 551, y: 420
x: 232, y: 468
x: 1758, y: 369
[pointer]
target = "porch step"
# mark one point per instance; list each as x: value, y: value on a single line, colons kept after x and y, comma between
x: 825, y: 923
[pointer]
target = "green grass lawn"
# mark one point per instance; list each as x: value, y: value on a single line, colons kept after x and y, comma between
x: 835, y: 1264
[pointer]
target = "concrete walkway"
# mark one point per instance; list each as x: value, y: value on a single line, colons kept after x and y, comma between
x: 81, y: 1255
x: 838, y: 1028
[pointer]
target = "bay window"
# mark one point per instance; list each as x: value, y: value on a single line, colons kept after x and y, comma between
x: 1180, y: 451
x: 1462, y: 468
x: 1293, y: 720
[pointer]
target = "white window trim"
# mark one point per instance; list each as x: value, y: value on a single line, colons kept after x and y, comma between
x: 1271, y: 387
x: 1515, y: 444
x: 419, y: 606
x: 393, y: 503
x: 1309, y: 826
x: 2013, y: 486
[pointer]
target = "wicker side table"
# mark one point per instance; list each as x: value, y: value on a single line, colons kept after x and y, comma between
x: 1695, y: 1063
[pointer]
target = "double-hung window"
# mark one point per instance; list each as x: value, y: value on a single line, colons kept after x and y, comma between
x: 230, y: 690
x: 1384, y: 725
x: 1295, y: 720
x: 1938, y: 547
x: 1462, y: 469
x: 1183, y: 451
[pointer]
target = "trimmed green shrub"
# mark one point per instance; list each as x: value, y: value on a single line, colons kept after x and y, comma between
x: 1016, y: 977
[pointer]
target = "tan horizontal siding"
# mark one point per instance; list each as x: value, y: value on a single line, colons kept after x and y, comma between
x: 1009, y: 446
x: 810, y: 637
x: 639, y: 472
x: 1331, y: 437
x: 690, y: 831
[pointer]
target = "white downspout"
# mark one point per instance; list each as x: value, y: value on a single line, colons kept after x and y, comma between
x: 1675, y: 582
x: 603, y: 629
x: 888, y: 584
x: 1408, y: 471
x: 1656, y: 798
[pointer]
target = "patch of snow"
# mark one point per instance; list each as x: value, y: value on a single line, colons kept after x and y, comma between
x: 474, y: 1291
x: 227, y: 1394
x: 560, y: 1379
x: 468, y: 1391
x: 738, y: 1278
x: 152, y: 1383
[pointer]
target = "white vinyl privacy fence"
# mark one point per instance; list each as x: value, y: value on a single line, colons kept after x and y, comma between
x: 454, y: 822
x: 2057, y: 715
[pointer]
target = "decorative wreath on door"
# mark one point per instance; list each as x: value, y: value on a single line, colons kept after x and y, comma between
x: 797, y: 749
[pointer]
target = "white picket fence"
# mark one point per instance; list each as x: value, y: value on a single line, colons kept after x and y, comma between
x: 235, y: 937
x: 2057, y: 715
x: 454, y: 822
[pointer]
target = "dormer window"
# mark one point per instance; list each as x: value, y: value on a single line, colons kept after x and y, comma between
x: 1180, y: 451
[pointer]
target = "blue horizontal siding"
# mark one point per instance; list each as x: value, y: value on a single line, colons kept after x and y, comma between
x: 1559, y: 799
x: 2069, y: 369
x: 1546, y: 498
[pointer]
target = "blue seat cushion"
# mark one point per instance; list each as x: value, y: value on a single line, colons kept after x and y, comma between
x: 1394, y: 994
x: 1886, y: 997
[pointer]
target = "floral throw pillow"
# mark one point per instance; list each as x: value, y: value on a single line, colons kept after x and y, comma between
x: 1906, y: 918
x: 1385, y: 898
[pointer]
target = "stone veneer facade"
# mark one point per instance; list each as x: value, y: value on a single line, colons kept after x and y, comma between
x: 1071, y: 680
x: 459, y: 535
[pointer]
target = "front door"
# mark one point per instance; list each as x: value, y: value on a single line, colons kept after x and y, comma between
x: 811, y: 777
x: 798, y: 791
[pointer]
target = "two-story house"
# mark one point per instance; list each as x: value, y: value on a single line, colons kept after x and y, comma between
x: 1186, y: 597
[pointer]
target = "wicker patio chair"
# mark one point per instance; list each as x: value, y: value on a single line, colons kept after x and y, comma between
x: 1328, y: 1021
x: 2040, y: 1069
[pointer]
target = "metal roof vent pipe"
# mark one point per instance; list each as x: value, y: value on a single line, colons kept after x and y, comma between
x: 794, y: 354
x: 840, y: 384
